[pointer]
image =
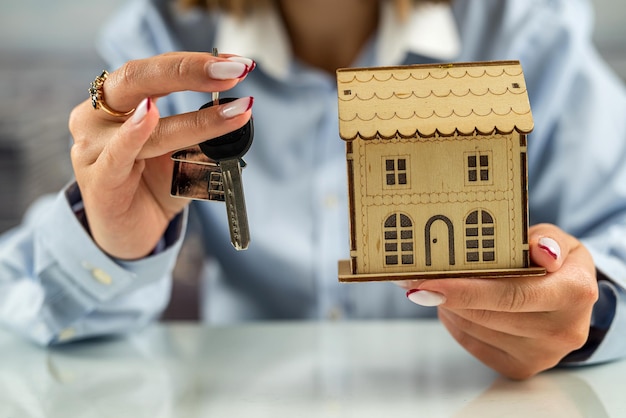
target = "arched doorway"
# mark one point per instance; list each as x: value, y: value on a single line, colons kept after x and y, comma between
x: 438, y: 232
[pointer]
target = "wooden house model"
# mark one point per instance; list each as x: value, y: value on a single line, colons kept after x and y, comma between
x: 437, y: 181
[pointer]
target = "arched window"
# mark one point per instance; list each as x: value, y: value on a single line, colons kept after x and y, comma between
x: 398, y: 230
x: 480, y: 237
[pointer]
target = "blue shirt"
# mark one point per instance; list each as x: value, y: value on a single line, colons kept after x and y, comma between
x: 55, y: 285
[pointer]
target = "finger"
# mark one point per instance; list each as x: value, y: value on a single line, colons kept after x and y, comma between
x: 521, y: 324
x: 513, y: 356
x: 408, y: 284
x: 120, y: 153
x: 181, y: 131
x: 521, y: 294
x: 168, y: 73
x: 549, y: 246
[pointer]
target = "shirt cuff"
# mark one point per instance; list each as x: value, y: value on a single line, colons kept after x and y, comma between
x: 62, y: 243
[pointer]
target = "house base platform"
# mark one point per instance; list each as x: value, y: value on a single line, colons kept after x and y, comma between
x: 346, y: 275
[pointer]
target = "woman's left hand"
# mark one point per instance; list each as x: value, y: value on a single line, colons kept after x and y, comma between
x: 520, y: 326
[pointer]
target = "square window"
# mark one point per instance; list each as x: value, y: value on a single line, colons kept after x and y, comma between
x: 478, y: 168
x: 391, y: 247
x: 391, y: 235
x: 471, y: 232
x: 471, y: 243
x: 395, y: 172
x: 488, y: 231
x: 472, y: 257
x: 407, y: 259
x: 407, y: 234
x: 489, y: 243
x: 391, y: 260
x: 489, y: 256
x: 407, y: 246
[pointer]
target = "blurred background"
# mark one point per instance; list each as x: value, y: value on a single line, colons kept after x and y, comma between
x: 47, y: 61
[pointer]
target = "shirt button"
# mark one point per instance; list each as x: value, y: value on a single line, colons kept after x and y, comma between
x: 101, y: 276
x: 331, y: 202
x: 335, y: 313
x: 98, y: 274
x: 66, y: 334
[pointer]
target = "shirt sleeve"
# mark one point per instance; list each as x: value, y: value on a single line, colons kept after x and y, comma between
x: 56, y: 285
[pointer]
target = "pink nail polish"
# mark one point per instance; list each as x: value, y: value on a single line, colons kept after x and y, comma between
x: 550, y: 246
x: 425, y: 297
x: 142, y: 110
x: 249, y: 63
x: 225, y: 70
x: 236, y: 107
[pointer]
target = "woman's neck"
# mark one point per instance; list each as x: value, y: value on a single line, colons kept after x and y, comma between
x: 329, y: 34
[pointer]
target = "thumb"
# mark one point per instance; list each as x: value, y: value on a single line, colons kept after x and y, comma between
x: 549, y: 246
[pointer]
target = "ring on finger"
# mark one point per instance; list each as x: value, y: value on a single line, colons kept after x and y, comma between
x: 97, y: 96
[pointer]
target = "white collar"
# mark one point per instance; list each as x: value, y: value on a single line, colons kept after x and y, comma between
x: 429, y: 30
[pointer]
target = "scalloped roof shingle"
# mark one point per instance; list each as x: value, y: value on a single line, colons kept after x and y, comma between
x: 428, y: 99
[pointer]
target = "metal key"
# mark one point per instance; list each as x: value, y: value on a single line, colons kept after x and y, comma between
x: 227, y: 150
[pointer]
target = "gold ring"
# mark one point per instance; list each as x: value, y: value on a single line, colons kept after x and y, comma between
x: 97, y: 96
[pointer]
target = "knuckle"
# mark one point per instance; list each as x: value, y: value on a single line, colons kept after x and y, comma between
x: 576, y: 338
x: 130, y: 72
x: 481, y: 316
x: 588, y: 291
x: 570, y: 338
x: 466, y: 299
x: 156, y: 138
x: 182, y: 68
x: 74, y: 123
x: 582, y: 289
x: 515, y: 299
x: 78, y: 153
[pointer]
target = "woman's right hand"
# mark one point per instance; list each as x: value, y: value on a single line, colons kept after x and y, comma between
x: 122, y: 164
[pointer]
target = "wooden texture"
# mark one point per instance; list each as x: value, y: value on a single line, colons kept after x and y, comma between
x: 436, y: 161
x: 346, y: 275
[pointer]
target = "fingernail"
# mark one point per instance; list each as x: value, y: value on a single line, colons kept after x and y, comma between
x: 236, y: 107
x: 141, y: 110
x: 425, y: 297
x: 224, y: 70
x: 550, y: 246
x: 249, y: 63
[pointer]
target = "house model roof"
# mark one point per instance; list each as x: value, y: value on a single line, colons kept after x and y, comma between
x: 439, y: 99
